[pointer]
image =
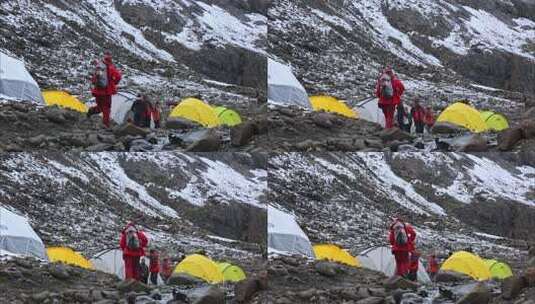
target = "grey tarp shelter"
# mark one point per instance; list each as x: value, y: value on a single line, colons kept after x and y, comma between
x: 16, y: 82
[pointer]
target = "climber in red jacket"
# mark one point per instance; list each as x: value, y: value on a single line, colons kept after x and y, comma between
x: 105, y: 81
x: 432, y: 266
x: 132, y: 243
x: 413, y: 266
x: 389, y: 90
x: 402, y: 238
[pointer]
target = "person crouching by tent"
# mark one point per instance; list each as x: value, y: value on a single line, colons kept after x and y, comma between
x: 105, y: 81
x: 429, y: 119
x: 418, y: 116
x: 432, y: 266
x: 402, y: 237
x: 403, y: 117
x: 154, y: 266
x: 156, y: 113
x: 413, y: 266
x: 132, y: 243
x: 142, y: 111
x: 389, y: 90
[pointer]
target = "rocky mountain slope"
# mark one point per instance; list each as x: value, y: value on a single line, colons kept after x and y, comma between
x: 482, y: 202
x: 186, y: 203
x: 454, y: 200
x: 83, y: 200
x: 168, y: 48
x: 443, y: 50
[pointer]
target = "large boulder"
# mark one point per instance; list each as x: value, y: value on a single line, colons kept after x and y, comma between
x: 528, y: 129
x: 209, y: 142
x: 242, y: 134
x: 372, y: 300
x: 394, y: 134
x: 180, y: 123
x: 328, y: 269
x: 529, y: 277
x: 210, y: 295
x: 512, y: 287
x: 446, y: 276
x: 324, y: 120
x: 507, y: 139
x: 246, y: 289
x: 470, y: 143
x: 479, y: 295
x: 183, y: 279
x: 131, y: 285
x: 447, y: 128
x: 130, y: 129
x: 397, y: 282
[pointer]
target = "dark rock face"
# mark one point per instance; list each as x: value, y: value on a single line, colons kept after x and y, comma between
x: 497, y: 69
x: 512, y: 220
x: 234, y: 221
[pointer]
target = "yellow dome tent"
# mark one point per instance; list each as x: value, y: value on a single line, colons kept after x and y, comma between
x: 68, y: 256
x: 331, y: 104
x: 494, y: 121
x: 64, y: 100
x: 335, y: 254
x: 469, y: 264
x: 463, y: 115
x: 196, y: 110
x: 499, y: 270
x: 200, y: 267
x: 231, y: 272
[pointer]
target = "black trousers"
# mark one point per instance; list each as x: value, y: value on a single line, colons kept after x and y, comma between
x: 419, y: 126
x: 154, y: 278
x: 413, y: 276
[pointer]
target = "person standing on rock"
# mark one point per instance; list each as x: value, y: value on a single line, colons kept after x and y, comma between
x: 389, y: 90
x: 167, y: 268
x: 403, y: 118
x: 143, y: 271
x: 132, y: 243
x: 429, y: 119
x: 418, y: 116
x: 413, y: 266
x: 156, y: 114
x: 154, y: 266
x: 142, y: 111
x: 105, y: 81
x: 432, y: 266
x: 402, y: 237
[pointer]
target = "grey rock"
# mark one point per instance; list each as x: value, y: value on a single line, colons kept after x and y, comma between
x: 183, y: 279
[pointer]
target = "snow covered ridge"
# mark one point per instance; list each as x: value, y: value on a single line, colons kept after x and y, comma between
x: 189, y: 179
x: 467, y: 177
x: 203, y: 22
x: 468, y: 27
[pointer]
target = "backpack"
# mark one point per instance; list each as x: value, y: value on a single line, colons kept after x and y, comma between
x: 400, y: 234
x: 101, y: 79
x: 387, y: 90
x: 132, y: 241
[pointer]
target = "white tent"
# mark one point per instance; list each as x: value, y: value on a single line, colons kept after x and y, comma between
x: 16, y: 81
x: 121, y: 104
x: 285, y: 236
x: 18, y: 237
x: 284, y: 88
x: 381, y: 259
x: 111, y: 261
x: 369, y: 110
